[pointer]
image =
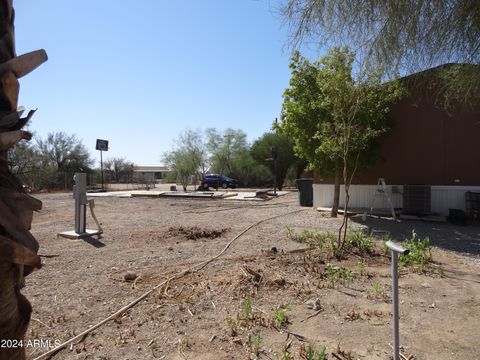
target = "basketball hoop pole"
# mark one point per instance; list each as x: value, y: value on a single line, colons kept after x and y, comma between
x: 101, y: 167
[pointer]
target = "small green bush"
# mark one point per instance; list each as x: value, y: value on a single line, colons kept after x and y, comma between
x: 377, y: 288
x: 357, y: 240
x: 419, y: 254
x: 361, y: 267
x: 280, y: 316
x: 336, y: 274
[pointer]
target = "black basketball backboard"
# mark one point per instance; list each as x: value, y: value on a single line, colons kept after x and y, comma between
x: 102, y: 145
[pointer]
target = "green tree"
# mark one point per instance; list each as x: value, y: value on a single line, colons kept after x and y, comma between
x: 181, y: 164
x: 245, y: 168
x: 397, y: 35
x: 24, y: 162
x: 261, y: 151
x: 333, y: 119
x: 65, y: 152
x: 189, y: 157
x: 61, y: 155
x: 118, y: 167
x: 226, y: 149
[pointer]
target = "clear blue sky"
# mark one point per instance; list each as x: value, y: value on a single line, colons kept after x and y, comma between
x: 137, y: 73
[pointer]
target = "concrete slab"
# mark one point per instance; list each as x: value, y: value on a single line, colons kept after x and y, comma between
x: 231, y: 195
x: 361, y: 211
x: 147, y: 193
x: 251, y: 196
x: 126, y: 194
x: 73, y: 235
x: 195, y: 194
x: 110, y: 194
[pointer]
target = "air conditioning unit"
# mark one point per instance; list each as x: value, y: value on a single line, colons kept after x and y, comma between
x: 416, y: 199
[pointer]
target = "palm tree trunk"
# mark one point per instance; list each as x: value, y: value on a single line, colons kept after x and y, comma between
x: 18, y: 248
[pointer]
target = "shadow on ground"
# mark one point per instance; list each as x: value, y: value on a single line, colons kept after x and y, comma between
x: 93, y: 241
x: 461, y: 239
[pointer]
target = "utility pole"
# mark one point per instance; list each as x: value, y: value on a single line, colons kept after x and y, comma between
x: 274, y: 157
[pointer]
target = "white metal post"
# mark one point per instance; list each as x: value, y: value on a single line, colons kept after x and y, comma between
x: 396, y: 326
x: 396, y: 249
x: 79, y: 192
x: 81, y: 202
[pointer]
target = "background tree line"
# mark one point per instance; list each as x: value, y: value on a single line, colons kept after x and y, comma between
x: 229, y: 153
x: 49, y: 163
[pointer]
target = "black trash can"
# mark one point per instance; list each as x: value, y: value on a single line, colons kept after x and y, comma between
x: 305, y: 192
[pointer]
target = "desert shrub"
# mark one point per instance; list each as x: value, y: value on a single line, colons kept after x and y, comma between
x: 315, y: 238
x: 280, y: 316
x: 419, y: 254
x: 357, y: 240
x: 336, y: 274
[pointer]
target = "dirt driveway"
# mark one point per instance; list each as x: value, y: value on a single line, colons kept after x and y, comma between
x: 265, y: 297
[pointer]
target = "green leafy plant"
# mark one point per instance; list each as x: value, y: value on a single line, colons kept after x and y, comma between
x: 246, y: 308
x: 286, y: 355
x: 306, y: 236
x: 377, y: 288
x: 323, y: 238
x: 332, y: 275
x: 360, y: 242
x: 280, y: 315
x: 335, y: 274
x: 301, y: 237
x: 345, y: 276
x: 253, y: 342
x: 385, y: 239
x: 232, y: 327
x: 361, y: 267
x: 312, y: 354
x: 356, y: 241
x: 337, y: 251
x: 256, y: 344
x: 441, y: 271
x: 310, y: 237
x: 419, y: 254
x: 290, y: 233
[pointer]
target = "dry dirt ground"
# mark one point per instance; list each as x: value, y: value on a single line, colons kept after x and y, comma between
x: 265, y: 294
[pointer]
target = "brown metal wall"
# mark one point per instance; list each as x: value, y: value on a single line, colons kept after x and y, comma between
x: 428, y: 146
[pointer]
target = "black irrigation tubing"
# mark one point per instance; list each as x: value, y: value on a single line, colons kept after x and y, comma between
x: 193, y: 268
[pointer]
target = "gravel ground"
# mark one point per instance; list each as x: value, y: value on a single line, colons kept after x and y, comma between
x: 199, y: 316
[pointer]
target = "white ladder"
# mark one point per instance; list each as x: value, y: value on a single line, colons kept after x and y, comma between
x: 382, y: 190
